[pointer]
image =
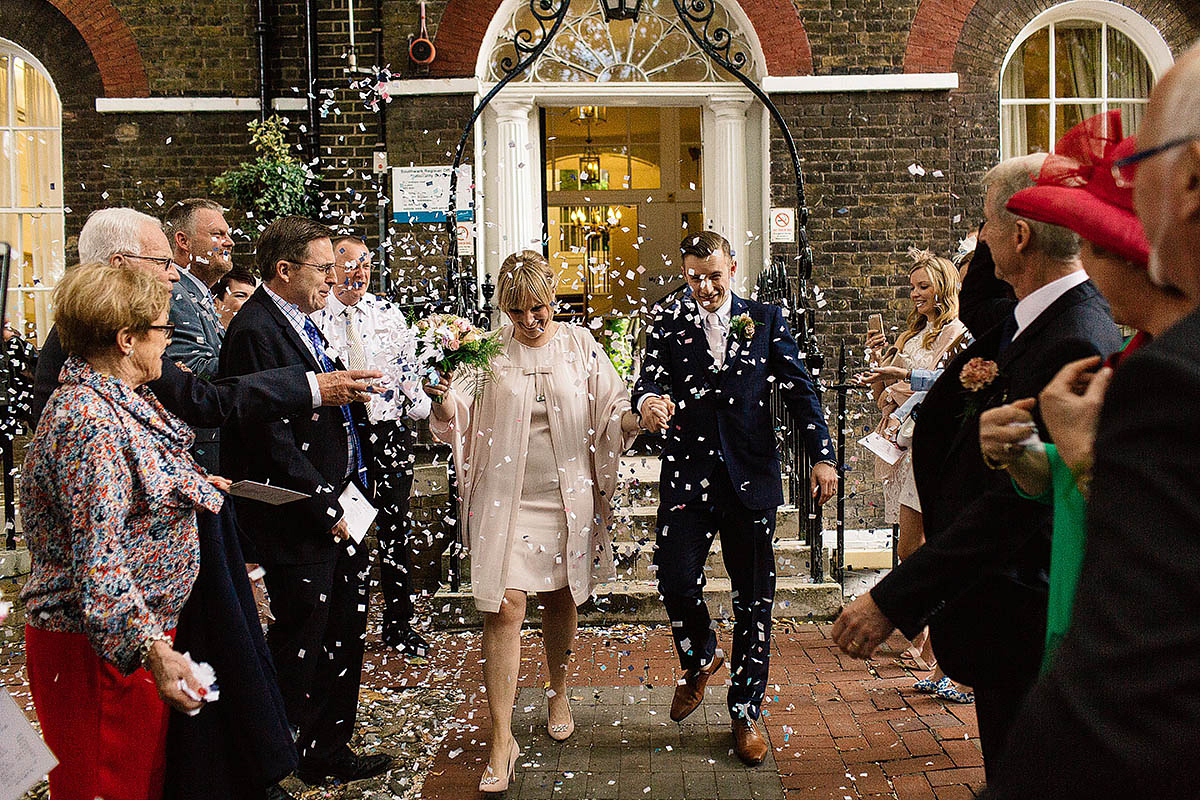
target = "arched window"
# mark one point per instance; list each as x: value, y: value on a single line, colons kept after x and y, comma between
x: 654, y: 48
x: 31, y: 204
x: 1071, y: 62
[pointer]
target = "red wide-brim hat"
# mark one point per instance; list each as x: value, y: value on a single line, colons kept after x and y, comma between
x: 1076, y: 189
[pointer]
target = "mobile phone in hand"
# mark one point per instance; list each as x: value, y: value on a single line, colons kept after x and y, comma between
x: 875, y: 323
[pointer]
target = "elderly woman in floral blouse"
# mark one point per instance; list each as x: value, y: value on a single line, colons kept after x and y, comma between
x: 109, y: 497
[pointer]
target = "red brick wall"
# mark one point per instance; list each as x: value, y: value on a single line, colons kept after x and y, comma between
x: 112, y: 45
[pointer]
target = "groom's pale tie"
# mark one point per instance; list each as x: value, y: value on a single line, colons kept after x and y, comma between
x: 714, y: 331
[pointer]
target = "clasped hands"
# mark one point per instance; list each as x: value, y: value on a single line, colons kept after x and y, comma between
x: 657, y: 411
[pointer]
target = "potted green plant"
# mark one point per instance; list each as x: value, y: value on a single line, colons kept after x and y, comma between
x: 273, y: 185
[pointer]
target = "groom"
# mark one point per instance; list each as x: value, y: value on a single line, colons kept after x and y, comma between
x: 711, y: 360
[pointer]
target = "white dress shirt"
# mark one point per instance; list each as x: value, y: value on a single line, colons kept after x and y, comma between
x: 716, y: 328
x: 372, y: 316
x: 1033, y: 304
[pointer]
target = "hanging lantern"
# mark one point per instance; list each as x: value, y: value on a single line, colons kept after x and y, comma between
x: 621, y: 9
x: 589, y: 166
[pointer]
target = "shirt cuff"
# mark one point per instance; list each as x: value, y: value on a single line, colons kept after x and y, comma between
x: 314, y: 388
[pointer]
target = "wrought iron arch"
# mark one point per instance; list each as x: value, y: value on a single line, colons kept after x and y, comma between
x: 718, y: 43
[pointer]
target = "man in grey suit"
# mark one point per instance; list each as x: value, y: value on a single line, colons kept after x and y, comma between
x: 202, y: 249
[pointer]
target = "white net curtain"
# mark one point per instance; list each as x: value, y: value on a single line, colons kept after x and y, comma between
x: 1065, y: 73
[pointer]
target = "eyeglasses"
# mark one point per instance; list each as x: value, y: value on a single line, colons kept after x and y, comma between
x: 326, y: 268
x: 168, y: 330
x: 162, y: 261
x: 1125, y: 170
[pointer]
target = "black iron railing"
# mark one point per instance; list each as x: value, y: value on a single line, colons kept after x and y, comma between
x: 777, y: 287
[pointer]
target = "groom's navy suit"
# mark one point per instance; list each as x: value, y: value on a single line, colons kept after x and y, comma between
x: 720, y: 473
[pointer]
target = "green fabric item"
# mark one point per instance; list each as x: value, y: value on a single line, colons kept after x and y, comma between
x: 1066, y: 548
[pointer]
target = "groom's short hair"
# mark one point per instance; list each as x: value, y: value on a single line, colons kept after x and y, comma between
x: 704, y: 244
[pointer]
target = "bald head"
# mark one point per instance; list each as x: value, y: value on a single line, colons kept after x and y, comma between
x: 1166, y: 192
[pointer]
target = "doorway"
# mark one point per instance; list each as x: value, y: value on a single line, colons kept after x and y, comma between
x: 623, y: 185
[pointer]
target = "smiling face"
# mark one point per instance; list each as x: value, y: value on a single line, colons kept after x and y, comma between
x: 923, y: 293
x: 302, y: 284
x: 353, y: 273
x: 531, y: 321
x: 208, y: 245
x: 710, y: 278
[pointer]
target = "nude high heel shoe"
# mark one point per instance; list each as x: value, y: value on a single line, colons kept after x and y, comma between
x: 559, y: 731
x: 491, y: 783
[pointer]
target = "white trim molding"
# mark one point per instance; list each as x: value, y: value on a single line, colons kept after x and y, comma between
x: 190, y: 105
x: 402, y: 88
x: 903, y: 82
x: 772, y: 84
x: 1143, y: 33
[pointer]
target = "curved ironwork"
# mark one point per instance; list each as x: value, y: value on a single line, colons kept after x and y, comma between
x: 717, y: 41
x: 549, y: 15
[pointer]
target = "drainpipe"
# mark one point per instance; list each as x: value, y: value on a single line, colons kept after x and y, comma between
x: 385, y: 276
x: 314, y: 95
x: 261, y: 29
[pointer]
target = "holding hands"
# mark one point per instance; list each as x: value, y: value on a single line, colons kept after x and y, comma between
x: 657, y: 412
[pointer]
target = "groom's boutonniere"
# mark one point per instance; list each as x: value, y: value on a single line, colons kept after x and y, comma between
x: 743, y: 326
x: 977, y: 374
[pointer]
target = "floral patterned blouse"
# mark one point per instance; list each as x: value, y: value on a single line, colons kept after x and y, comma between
x: 109, y: 496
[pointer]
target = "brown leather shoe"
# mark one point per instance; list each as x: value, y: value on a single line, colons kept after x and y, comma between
x: 748, y: 743
x: 690, y: 693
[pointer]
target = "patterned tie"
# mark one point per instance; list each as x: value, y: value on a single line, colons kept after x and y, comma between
x: 714, y: 331
x: 356, y: 354
x: 314, y: 336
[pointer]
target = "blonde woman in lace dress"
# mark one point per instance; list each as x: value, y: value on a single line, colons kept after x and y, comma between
x: 536, y: 454
x: 933, y: 331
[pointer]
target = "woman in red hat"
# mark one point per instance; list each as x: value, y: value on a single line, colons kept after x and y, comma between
x: 1079, y: 188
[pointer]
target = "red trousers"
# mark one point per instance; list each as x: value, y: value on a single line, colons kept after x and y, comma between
x: 108, y: 730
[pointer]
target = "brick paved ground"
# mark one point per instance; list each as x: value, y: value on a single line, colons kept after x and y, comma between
x: 840, y: 728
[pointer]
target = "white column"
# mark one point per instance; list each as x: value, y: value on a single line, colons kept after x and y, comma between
x: 728, y: 211
x: 518, y: 218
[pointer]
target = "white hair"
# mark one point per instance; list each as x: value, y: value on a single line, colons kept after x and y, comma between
x: 1011, y: 176
x: 109, y: 231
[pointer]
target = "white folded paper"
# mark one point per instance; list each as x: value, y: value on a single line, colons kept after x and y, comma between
x: 24, y: 757
x: 359, y: 513
x: 265, y: 493
x: 881, y: 447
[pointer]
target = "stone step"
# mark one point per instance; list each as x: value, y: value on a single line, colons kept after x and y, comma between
x: 638, y: 601
x: 636, y: 523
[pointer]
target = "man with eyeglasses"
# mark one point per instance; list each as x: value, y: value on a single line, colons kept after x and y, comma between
x: 1118, y: 712
x: 125, y: 237
x: 316, y: 576
x: 364, y: 330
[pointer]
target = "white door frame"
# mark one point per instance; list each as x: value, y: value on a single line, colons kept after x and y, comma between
x: 508, y: 160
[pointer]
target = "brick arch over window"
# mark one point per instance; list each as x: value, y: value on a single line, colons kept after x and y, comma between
x: 464, y: 23
x: 933, y: 38
x: 111, y: 43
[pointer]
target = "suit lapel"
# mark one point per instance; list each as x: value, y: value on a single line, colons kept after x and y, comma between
x: 289, y: 332
x: 1076, y: 294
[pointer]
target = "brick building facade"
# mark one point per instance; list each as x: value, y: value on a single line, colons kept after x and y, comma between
x: 867, y: 87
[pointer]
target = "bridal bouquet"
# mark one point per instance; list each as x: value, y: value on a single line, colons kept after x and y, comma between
x: 448, y: 342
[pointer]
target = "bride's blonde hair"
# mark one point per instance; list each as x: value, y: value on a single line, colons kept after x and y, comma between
x: 944, y: 278
x: 526, y: 280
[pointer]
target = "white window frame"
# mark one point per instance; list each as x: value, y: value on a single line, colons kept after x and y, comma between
x: 1108, y: 14
x: 22, y: 295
